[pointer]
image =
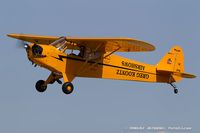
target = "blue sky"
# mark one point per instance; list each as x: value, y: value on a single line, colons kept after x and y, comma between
x: 97, y: 105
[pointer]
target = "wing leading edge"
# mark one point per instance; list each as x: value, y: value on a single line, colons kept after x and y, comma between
x: 103, y: 44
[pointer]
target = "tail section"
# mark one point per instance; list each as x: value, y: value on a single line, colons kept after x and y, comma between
x: 173, y: 61
x: 173, y: 64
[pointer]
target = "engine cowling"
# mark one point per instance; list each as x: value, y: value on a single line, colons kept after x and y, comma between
x: 37, y: 49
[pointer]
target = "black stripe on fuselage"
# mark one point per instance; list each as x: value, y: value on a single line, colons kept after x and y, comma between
x: 83, y: 60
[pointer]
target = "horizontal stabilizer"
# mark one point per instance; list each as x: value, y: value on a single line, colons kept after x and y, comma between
x: 179, y: 74
x: 185, y: 75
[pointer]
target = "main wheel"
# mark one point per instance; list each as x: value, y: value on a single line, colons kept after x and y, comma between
x: 40, y: 86
x: 176, y: 91
x: 67, y: 87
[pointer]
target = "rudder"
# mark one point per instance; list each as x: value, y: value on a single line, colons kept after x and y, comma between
x: 172, y: 62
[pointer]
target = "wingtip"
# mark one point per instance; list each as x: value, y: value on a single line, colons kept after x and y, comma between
x: 153, y: 48
x: 9, y: 35
x: 13, y: 35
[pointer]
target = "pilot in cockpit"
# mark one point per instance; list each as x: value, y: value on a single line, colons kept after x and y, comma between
x: 88, y: 54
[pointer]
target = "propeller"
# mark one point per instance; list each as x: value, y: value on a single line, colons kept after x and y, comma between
x: 21, y: 44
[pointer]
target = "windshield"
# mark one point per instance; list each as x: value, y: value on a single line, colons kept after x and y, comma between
x: 60, y: 44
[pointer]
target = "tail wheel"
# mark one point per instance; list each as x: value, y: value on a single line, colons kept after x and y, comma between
x: 40, y: 86
x: 175, y: 88
x: 67, y: 88
x: 175, y: 91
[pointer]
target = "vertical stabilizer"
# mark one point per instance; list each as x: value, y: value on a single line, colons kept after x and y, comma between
x: 172, y: 62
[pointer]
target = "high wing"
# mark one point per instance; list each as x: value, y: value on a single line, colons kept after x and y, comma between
x: 97, y: 44
x: 34, y: 38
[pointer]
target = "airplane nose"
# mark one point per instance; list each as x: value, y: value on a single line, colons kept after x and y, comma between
x: 37, y: 50
x: 26, y: 46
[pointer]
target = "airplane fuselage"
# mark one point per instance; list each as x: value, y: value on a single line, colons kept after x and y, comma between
x: 108, y: 66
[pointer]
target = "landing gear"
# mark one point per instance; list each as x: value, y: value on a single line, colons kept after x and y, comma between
x: 40, y: 86
x: 175, y: 91
x: 55, y: 80
x: 175, y: 88
x: 67, y: 88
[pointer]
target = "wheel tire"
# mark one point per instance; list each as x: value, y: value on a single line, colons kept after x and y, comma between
x: 40, y: 87
x: 67, y: 87
x: 176, y: 91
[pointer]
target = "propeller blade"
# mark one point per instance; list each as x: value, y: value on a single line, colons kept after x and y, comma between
x: 21, y: 44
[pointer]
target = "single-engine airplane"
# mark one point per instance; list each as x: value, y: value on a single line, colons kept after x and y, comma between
x: 96, y: 59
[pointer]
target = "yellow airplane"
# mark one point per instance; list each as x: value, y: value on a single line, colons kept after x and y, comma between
x: 96, y: 59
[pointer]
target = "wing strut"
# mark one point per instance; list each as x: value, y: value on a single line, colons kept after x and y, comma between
x: 96, y: 62
x: 112, y: 52
x: 87, y: 59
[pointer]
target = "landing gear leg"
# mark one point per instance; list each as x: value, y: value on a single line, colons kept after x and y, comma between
x: 41, y: 85
x: 175, y: 88
x: 52, y: 78
x: 67, y: 87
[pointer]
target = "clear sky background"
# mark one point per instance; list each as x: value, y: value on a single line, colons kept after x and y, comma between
x: 98, y: 105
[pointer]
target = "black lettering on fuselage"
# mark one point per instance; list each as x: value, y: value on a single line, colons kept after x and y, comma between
x: 132, y: 65
x: 132, y: 74
x: 142, y: 75
x: 125, y: 73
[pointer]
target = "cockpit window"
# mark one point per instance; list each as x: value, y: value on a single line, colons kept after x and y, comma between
x: 60, y: 44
